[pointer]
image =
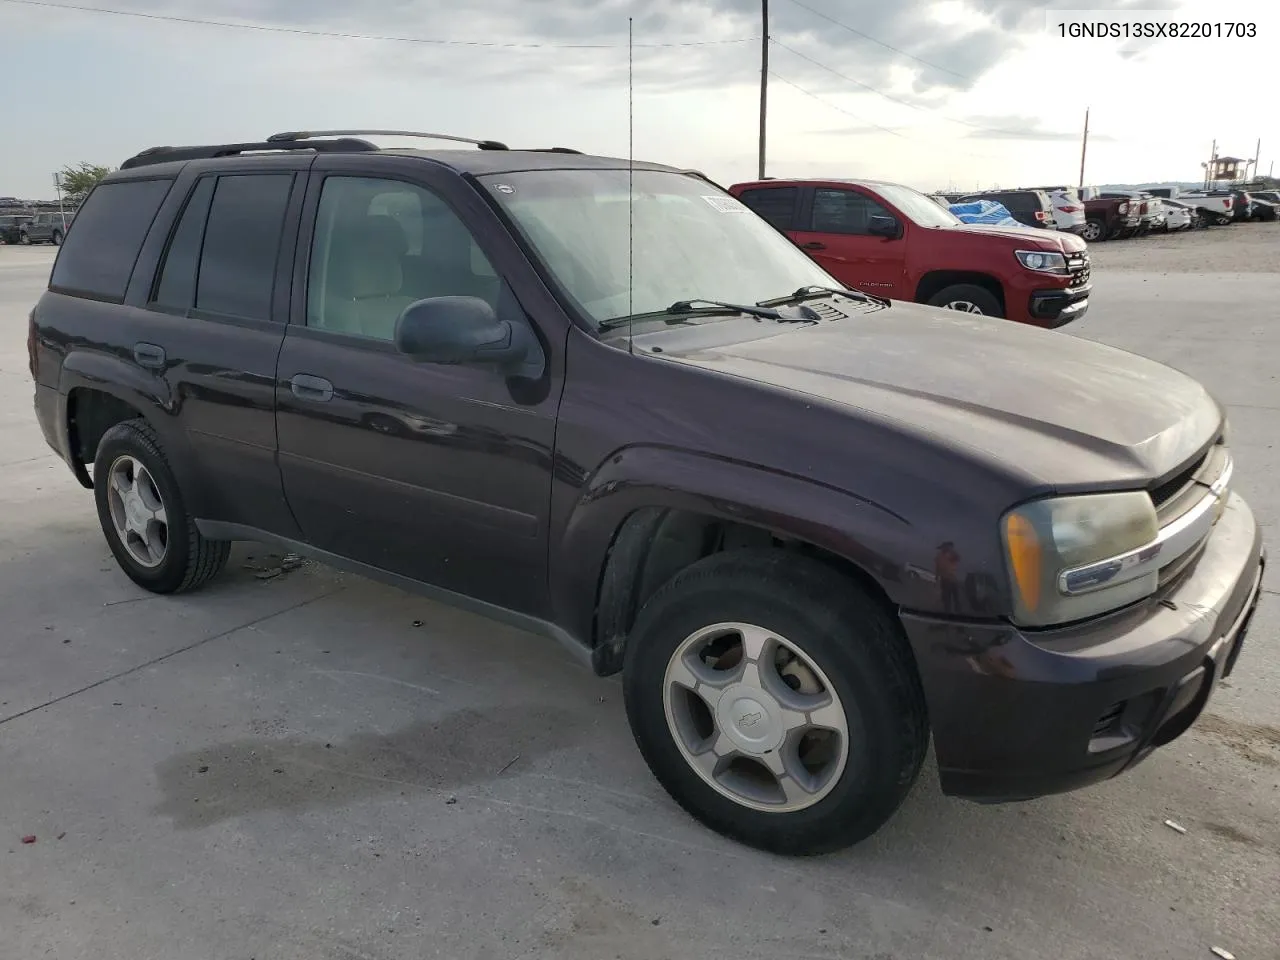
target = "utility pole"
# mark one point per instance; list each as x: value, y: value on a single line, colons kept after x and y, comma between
x: 1257, y: 155
x: 764, y: 82
x: 1084, y: 146
x: 1208, y: 170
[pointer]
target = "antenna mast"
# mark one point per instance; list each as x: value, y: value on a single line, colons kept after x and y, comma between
x: 631, y: 165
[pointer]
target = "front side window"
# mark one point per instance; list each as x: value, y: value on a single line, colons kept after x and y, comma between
x: 844, y: 211
x: 380, y: 245
x: 690, y: 240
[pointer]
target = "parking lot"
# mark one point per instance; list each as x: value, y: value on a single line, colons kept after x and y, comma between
x: 297, y: 763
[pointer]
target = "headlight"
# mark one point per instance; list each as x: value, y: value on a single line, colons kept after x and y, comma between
x: 1123, y: 208
x: 1041, y: 261
x: 1044, y: 538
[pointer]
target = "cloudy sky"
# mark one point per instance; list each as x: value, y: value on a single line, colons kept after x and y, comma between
x: 934, y: 93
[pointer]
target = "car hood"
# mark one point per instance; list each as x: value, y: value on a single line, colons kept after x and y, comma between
x: 1040, y: 238
x: 1052, y: 409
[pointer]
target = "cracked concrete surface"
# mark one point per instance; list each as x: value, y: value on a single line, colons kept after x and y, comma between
x: 314, y: 767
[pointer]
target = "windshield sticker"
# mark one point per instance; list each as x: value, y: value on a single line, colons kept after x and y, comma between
x: 726, y: 204
x: 504, y: 188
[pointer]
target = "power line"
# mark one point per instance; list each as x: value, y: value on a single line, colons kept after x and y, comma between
x: 299, y: 31
x: 824, y: 101
x: 867, y: 36
x: 891, y: 97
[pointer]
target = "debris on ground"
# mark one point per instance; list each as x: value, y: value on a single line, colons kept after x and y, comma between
x: 286, y: 564
x: 1224, y: 954
x: 451, y: 799
x: 507, y: 766
x: 416, y: 623
x: 1177, y: 827
x: 29, y: 838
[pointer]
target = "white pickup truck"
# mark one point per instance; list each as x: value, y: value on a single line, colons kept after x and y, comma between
x: 1214, y: 206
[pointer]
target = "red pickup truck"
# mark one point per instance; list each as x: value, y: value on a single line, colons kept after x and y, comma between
x: 888, y: 239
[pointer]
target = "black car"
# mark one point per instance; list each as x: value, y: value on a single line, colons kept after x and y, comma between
x: 1031, y: 207
x: 11, y: 227
x: 888, y: 526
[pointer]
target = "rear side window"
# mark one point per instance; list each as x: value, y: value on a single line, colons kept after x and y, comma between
x: 775, y: 204
x: 177, y: 287
x: 97, y: 257
x: 241, y: 243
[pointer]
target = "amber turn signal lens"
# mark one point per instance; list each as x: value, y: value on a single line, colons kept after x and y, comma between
x: 1024, y: 557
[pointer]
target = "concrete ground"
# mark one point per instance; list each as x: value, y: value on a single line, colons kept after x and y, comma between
x: 308, y: 766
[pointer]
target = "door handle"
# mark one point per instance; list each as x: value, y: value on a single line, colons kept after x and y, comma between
x: 813, y: 245
x: 148, y: 355
x: 307, y: 387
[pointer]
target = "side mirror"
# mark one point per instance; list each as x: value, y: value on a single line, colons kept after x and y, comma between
x: 461, y: 330
x: 887, y: 227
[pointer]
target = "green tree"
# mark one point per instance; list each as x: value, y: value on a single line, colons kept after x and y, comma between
x: 77, y: 179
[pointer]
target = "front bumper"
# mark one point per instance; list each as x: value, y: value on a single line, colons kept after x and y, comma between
x: 1020, y: 714
x: 1058, y: 306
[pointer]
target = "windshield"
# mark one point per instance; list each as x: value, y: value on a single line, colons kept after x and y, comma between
x: 917, y: 207
x: 692, y: 241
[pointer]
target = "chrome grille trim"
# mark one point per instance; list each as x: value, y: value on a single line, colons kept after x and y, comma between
x: 1173, y: 541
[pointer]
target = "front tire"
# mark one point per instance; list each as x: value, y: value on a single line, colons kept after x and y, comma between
x: 56, y: 238
x: 775, y: 701
x: 24, y: 239
x: 967, y: 298
x: 1094, y: 231
x: 143, y: 515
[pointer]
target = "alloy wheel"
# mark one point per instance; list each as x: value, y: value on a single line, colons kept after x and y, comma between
x: 755, y: 717
x: 137, y: 511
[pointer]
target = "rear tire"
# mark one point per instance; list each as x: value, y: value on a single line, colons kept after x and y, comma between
x: 844, y: 652
x: 56, y: 238
x: 967, y: 298
x: 1094, y: 231
x: 24, y: 239
x: 143, y: 516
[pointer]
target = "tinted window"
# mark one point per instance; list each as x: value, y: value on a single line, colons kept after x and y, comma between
x: 177, y: 286
x: 98, y: 256
x: 775, y: 204
x: 1019, y: 202
x: 844, y: 211
x: 238, y: 261
x: 379, y: 245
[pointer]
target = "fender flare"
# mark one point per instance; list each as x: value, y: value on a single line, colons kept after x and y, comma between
x: 622, y: 502
x: 147, y: 393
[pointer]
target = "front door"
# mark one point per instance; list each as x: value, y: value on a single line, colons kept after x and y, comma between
x: 836, y: 234
x: 440, y: 473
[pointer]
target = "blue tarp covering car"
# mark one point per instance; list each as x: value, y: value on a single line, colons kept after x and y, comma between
x: 986, y: 212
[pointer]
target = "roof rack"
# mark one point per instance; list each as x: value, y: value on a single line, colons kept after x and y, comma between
x: 298, y: 135
x: 209, y: 151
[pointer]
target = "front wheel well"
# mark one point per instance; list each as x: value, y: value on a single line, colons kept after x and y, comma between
x: 653, y: 544
x: 933, y: 283
x: 90, y: 414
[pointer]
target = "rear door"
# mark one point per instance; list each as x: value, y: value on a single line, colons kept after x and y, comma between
x: 212, y: 322
x: 439, y: 473
x: 835, y: 232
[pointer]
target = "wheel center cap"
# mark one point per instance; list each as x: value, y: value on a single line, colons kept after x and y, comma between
x: 136, y: 513
x: 749, y: 717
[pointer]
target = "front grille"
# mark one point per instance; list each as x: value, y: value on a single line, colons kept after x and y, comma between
x: 1184, y: 489
x: 1079, y: 269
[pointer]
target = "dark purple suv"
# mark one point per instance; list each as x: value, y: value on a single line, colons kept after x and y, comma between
x: 613, y: 406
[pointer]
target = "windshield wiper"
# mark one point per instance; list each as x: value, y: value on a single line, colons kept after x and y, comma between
x: 813, y: 292
x: 704, y: 308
